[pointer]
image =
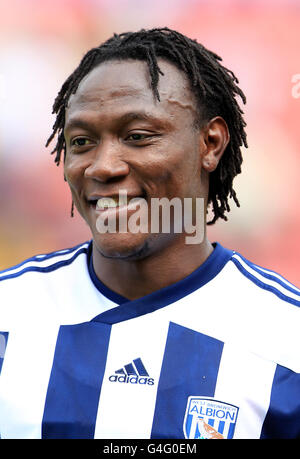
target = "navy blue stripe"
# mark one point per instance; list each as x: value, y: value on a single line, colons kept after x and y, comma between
x: 263, y: 285
x: 3, y: 344
x: 168, y: 295
x: 271, y: 275
x: 42, y: 257
x: 283, y: 417
x: 75, y: 383
x: 190, y: 368
x: 45, y: 269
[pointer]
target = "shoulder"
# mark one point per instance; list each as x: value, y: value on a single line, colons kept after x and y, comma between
x: 43, y: 263
x: 37, y: 277
x: 43, y: 287
x: 262, y: 280
x: 259, y: 309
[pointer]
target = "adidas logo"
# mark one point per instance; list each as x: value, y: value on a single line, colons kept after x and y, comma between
x: 133, y: 373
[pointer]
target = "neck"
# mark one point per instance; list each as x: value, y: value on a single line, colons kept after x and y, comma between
x: 136, y: 278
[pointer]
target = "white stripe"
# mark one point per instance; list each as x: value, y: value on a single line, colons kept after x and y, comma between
x: 282, y: 279
x: 24, y: 379
x: 264, y: 280
x: 245, y: 380
x: 42, y: 264
x: 124, y: 407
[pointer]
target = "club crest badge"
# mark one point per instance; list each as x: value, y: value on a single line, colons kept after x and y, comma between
x: 207, y: 418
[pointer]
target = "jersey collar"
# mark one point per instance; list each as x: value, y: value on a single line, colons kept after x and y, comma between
x: 126, y: 309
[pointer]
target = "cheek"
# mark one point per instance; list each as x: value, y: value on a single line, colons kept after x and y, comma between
x: 155, y: 174
x: 74, y: 172
x: 170, y: 171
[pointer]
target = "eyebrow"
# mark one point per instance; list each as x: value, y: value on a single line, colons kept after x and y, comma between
x: 143, y: 116
x: 78, y: 122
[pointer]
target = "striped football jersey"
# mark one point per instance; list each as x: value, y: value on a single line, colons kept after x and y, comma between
x: 215, y: 355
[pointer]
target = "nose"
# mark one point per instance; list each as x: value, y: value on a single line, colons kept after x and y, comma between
x: 107, y: 163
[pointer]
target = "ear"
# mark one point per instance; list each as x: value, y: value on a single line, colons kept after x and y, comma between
x: 216, y: 137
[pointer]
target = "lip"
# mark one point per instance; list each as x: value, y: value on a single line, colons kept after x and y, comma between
x: 135, y: 201
x: 121, y: 196
x: 116, y: 219
x: 95, y: 197
x: 132, y: 205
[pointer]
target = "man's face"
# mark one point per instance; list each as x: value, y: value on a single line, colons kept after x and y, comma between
x: 119, y: 137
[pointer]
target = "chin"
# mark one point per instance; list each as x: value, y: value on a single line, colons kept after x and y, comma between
x: 123, y: 246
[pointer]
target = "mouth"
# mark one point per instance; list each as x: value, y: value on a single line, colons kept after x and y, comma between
x: 102, y: 203
x: 113, y: 212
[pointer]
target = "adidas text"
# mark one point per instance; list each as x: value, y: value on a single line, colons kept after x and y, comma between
x: 131, y: 379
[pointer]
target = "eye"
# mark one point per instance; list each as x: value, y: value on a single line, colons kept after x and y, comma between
x: 137, y: 137
x: 81, y: 142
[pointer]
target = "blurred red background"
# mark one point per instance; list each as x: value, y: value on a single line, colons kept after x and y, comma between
x: 42, y: 42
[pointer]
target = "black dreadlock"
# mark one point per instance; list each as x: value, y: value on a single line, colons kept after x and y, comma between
x: 214, y: 86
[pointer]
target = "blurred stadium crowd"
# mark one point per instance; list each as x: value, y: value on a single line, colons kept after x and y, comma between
x: 41, y: 42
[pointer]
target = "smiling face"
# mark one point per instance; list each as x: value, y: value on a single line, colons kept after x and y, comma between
x: 119, y: 137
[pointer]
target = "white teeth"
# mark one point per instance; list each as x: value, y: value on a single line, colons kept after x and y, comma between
x: 106, y: 203
x: 123, y: 200
x: 112, y: 202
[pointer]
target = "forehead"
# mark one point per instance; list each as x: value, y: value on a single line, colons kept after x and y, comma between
x: 117, y: 84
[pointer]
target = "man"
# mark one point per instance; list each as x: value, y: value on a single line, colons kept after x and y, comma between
x: 141, y: 334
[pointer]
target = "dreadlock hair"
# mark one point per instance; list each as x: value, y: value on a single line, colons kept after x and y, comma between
x: 214, y: 86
